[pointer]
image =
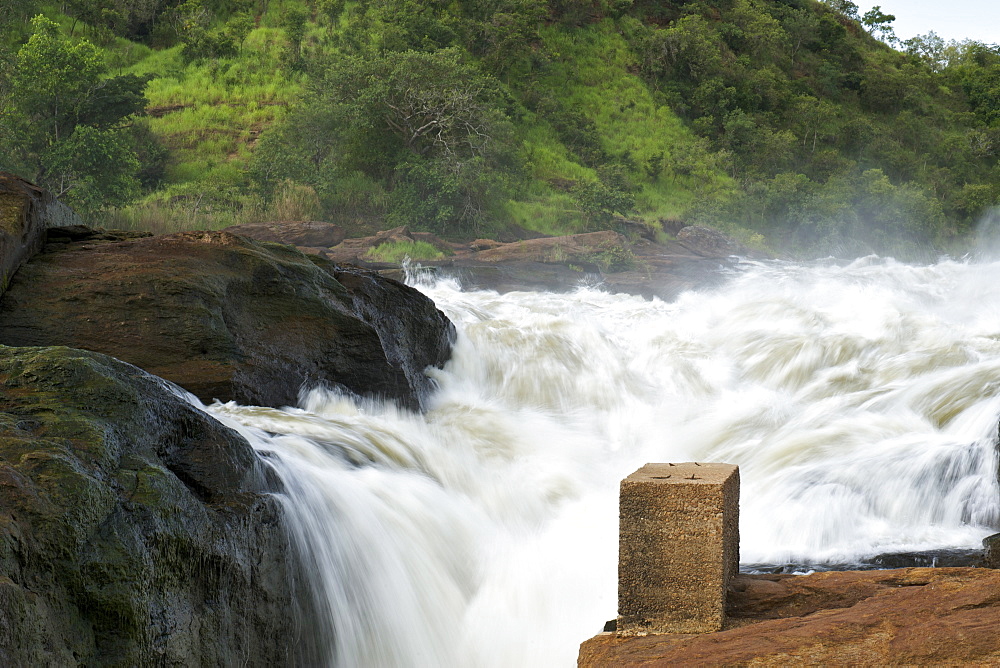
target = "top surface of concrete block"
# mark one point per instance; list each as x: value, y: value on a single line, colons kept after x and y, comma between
x: 690, y: 473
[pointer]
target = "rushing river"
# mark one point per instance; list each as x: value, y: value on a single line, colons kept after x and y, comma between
x: 860, y: 402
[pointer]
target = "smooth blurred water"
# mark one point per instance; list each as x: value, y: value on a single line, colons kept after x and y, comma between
x: 860, y: 402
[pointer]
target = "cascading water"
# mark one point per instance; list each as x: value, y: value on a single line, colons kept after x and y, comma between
x: 860, y: 403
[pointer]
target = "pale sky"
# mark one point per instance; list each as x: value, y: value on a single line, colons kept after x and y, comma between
x: 951, y: 19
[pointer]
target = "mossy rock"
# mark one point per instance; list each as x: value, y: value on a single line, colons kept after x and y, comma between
x: 134, y: 528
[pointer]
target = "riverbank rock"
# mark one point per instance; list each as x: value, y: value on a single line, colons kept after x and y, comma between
x: 308, y: 234
x: 230, y: 318
x: 707, y: 242
x: 639, y: 259
x: 135, y: 530
x: 587, y: 251
x: 25, y: 212
x: 356, y: 250
x: 911, y: 616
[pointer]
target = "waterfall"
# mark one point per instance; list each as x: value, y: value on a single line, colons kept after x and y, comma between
x: 860, y: 402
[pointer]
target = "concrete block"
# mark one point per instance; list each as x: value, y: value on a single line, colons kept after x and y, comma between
x: 679, y: 545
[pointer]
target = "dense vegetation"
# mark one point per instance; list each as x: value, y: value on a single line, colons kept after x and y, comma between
x: 785, y: 121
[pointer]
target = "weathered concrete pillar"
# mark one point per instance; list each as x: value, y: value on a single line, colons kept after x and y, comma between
x: 679, y: 545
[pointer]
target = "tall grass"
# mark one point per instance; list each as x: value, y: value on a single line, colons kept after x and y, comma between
x: 209, y: 113
x: 166, y: 217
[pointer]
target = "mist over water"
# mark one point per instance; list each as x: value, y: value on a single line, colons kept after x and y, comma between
x: 860, y: 402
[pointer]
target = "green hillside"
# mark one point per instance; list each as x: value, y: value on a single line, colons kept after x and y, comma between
x: 784, y: 122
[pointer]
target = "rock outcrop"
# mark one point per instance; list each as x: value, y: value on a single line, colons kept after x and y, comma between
x: 305, y: 234
x: 643, y: 261
x: 355, y: 250
x: 135, y: 530
x: 25, y: 212
x: 911, y: 616
x: 229, y: 318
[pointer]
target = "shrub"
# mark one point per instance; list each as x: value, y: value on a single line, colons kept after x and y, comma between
x: 397, y: 251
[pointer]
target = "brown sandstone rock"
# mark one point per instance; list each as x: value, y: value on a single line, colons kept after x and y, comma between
x: 307, y: 234
x: 355, y: 250
x: 576, y: 248
x: 912, y: 616
x: 25, y: 212
x: 230, y: 318
x: 707, y: 242
x: 638, y: 264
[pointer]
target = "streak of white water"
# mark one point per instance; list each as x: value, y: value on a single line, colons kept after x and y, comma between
x: 860, y: 402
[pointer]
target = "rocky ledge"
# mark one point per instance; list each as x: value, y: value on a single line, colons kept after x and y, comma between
x: 910, y: 616
x: 25, y: 212
x: 227, y: 317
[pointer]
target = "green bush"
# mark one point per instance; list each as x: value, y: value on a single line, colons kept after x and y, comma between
x: 397, y: 251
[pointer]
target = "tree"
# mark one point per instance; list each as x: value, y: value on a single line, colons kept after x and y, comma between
x: 504, y: 34
x: 129, y: 18
x: 880, y: 24
x: 66, y: 122
x: 845, y: 7
x: 427, y: 126
x: 430, y: 104
x: 196, y: 28
x: 929, y: 48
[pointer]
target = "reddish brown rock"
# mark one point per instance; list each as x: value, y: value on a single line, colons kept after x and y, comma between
x: 642, y: 261
x: 913, y: 616
x: 356, y: 250
x: 306, y: 234
x: 25, y: 212
x: 577, y: 248
x: 230, y: 318
x: 708, y: 242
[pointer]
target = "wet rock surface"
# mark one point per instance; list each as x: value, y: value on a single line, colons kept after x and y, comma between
x: 136, y: 530
x: 912, y: 616
x: 227, y: 317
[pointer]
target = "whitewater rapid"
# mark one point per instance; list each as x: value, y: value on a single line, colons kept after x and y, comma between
x: 860, y: 402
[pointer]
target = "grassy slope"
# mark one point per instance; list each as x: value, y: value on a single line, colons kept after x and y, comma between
x: 210, y: 113
x: 591, y: 73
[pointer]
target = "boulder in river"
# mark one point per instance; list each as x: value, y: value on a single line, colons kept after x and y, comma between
x: 230, y: 318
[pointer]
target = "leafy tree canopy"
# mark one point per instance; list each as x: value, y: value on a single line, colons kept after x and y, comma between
x: 426, y: 124
x: 65, y: 122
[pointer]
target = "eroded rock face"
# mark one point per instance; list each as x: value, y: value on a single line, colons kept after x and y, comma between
x: 230, y: 318
x: 135, y: 530
x: 910, y: 616
x: 708, y: 242
x: 577, y: 248
x: 309, y: 234
x: 25, y: 212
